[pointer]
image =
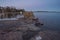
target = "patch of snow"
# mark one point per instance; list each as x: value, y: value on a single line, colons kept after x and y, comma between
x: 19, y: 16
x: 38, y: 37
x: 8, y: 19
x: 15, y: 18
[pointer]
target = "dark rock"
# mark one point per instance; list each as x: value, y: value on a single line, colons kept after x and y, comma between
x: 38, y: 24
x: 29, y: 35
x: 42, y: 24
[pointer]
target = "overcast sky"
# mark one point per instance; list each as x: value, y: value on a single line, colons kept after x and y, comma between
x: 50, y: 5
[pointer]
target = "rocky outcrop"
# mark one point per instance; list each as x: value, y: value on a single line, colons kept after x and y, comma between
x: 48, y: 35
x: 24, y: 29
x: 17, y: 30
x: 21, y: 29
x: 12, y: 36
x: 28, y: 15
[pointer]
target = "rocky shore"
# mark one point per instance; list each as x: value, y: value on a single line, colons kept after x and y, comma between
x: 21, y: 29
x: 24, y: 29
x: 48, y: 35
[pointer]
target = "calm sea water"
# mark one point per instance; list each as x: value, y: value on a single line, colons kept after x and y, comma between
x: 51, y: 20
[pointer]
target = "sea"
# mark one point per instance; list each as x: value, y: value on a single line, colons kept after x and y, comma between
x: 51, y: 20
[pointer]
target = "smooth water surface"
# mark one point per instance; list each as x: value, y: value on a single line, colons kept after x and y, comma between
x: 51, y: 20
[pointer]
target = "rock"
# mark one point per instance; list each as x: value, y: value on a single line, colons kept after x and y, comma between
x: 49, y: 35
x: 38, y: 24
x: 28, y: 15
x: 13, y: 36
x: 42, y: 24
x: 29, y: 34
x: 18, y: 30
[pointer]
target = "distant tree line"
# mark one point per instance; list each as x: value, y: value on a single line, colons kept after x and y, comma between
x: 10, y: 9
x: 9, y: 12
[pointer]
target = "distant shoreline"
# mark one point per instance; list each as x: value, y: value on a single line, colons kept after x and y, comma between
x: 47, y: 11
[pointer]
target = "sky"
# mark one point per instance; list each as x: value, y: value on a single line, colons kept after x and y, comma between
x: 33, y: 5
